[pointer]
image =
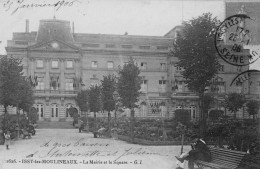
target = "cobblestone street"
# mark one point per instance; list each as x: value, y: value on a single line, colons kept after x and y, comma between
x: 66, y: 148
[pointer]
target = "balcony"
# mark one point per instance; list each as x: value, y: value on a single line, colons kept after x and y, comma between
x: 184, y: 95
x: 55, y: 93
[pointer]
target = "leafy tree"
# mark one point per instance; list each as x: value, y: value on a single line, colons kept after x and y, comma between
x: 95, y: 101
x: 129, y: 84
x: 215, y: 114
x: 10, y: 77
x: 108, y: 85
x: 197, y: 55
x: 182, y: 116
x: 73, y: 112
x: 253, y: 107
x: 33, y: 115
x: 82, y: 101
x: 234, y: 102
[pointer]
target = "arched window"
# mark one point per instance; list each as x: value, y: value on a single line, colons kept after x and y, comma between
x: 54, y: 110
x: 39, y: 108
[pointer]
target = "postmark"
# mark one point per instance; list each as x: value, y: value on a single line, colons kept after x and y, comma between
x: 231, y: 38
x: 242, y: 77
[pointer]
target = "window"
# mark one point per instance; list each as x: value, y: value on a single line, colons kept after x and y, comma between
x: 40, y: 86
x: 39, y: 108
x: 144, y: 86
x: 110, y: 65
x: 162, y: 86
x: 192, y: 110
x: 239, y: 89
x: 162, y: 81
x: 39, y: 63
x: 54, y: 64
x: 127, y: 46
x: 69, y: 64
x: 143, y: 65
x: 110, y: 46
x: 94, y: 64
x: 239, y: 68
x: 163, y: 66
x: 69, y: 84
x: 54, y: 110
x: 221, y: 68
x: 144, y: 47
x: 179, y: 86
x: 178, y: 68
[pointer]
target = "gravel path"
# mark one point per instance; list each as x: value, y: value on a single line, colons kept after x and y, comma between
x: 68, y: 149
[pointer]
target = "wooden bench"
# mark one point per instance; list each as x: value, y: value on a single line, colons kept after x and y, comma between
x: 222, y: 159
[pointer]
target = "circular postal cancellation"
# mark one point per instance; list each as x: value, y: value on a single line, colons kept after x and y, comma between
x: 232, y: 40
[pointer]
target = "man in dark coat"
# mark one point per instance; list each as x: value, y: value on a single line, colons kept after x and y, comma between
x: 199, y: 151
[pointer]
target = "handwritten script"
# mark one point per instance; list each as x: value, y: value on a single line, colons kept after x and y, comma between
x: 53, y: 149
x: 15, y: 5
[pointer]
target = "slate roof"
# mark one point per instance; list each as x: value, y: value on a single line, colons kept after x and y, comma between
x: 61, y: 30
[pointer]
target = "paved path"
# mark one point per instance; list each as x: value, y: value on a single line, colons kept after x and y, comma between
x: 50, y: 148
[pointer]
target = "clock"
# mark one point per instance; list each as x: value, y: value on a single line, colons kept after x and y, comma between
x: 55, y: 45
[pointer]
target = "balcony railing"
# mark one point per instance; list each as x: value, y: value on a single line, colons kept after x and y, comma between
x: 56, y: 92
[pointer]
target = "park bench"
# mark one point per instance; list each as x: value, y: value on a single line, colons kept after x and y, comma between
x: 222, y: 159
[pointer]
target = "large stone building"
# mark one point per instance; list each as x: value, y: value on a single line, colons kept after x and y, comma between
x: 65, y: 62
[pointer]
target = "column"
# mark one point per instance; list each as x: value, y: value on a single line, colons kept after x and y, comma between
x: 32, y: 63
x: 47, y: 74
x: 62, y: 76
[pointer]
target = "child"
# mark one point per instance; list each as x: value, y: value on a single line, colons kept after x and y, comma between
x: 7, y: 139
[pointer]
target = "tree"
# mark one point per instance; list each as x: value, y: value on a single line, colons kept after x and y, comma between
x: 253, y: 107
x: 234, y: 102
x: 108, y: 85
x: 95, y: 101
x: 182, y: 116
x: 197, y: 55
x: 73, y: 112
x: 10, y: 77
x: 82, y: 101
x: 129, y: 84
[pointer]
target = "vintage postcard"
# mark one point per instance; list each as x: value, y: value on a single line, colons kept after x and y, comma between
x: 129, y: 84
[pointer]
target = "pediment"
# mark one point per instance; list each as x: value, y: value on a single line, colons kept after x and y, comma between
x: 54, y: 45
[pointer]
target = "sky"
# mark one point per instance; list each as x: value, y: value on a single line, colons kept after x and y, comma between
x: 136, y: 17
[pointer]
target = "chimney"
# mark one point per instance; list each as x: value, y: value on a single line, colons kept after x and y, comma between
x: 73, y: 27
x: 27, y: 26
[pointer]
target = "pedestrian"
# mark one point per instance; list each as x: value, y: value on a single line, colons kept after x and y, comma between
x: 7, y: 139
x: 200, y: 151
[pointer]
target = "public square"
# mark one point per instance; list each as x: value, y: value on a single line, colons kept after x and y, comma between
x: 68, y: 144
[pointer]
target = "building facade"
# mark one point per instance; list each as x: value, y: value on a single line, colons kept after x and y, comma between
x: 65, y: 62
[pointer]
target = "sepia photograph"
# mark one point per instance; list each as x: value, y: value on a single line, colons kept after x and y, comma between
x: 130, y: 84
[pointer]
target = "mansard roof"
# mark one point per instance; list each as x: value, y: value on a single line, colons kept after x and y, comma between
x: 122, y: 39
x: 61, y: 30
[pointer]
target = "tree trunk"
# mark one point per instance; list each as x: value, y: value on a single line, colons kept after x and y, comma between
x: 132, y: 124
x: 5, y: 127
x: 202, y: 124
x: 109, y: 125
x: 18, y: 121
x: 95, y: 121
x: 234, y: 116
x: 115, y: 115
